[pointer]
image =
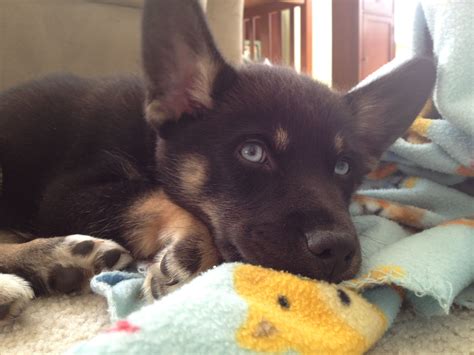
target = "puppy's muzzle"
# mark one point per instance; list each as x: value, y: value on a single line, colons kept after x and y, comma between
x: 334, y: 250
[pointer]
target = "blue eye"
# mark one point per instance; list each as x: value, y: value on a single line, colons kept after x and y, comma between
x: 342, y: 167
x: 253, y: 152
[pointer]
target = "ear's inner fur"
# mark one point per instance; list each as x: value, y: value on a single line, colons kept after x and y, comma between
x: 181, y: 61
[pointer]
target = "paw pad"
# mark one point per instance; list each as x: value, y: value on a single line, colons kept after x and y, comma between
x: 83, y: 248
x: 66, y: 279
x: 96, y: 254
x: 111, y: 257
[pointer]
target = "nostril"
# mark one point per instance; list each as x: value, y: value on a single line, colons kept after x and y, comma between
x: 335, y: 251
x: 331, y: 246
x: 325, y: 254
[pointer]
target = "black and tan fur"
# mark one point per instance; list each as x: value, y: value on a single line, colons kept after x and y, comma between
x: 157, y: 165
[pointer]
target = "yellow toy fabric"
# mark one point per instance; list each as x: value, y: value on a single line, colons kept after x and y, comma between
x: 289, y: 313
x: 244, y: 309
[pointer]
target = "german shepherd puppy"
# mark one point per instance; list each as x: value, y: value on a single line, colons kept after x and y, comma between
x: 197, y: 164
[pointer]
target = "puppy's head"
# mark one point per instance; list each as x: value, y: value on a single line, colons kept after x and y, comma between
x: 267, y: 158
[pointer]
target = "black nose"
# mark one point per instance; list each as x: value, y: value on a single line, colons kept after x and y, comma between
x: 334, y: 250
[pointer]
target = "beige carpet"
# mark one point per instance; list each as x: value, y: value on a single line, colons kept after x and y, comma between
x: 52, y: 325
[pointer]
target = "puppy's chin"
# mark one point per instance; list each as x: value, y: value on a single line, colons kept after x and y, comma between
x: 291, y: 256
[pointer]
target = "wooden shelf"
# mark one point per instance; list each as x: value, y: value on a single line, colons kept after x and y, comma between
x: 261, y: 24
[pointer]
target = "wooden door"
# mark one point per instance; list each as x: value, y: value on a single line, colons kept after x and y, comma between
x: 376, y: 41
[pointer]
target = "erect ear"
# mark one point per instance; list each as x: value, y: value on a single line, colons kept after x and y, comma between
x: 385, y: 107
x: 181, y: 62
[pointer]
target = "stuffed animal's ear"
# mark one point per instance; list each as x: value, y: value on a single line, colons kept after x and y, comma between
x: 181, y: 62
x: 385, y: 107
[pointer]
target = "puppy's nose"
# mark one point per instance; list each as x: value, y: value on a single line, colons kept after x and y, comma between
x: 334, y: 250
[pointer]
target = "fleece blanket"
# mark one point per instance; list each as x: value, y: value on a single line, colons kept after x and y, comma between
x: 415, y: 219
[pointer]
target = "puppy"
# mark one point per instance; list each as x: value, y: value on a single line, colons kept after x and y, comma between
x: 196, y: 164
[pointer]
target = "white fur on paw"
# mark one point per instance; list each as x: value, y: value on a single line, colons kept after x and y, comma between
x: 159, y: 282
x: 15, y: 294
x: 101, y: 254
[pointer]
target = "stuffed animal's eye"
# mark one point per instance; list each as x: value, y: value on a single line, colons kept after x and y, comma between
x: 253, y: 152
x: 342, y: 167
x: 283, y: 302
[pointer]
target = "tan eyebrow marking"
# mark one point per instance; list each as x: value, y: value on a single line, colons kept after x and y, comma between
x: 339, y: 143
x: 281, y: 138
x: 193, y: 173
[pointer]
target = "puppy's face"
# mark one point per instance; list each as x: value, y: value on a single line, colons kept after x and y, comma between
x: 271, y: 168
x: 267, y: 158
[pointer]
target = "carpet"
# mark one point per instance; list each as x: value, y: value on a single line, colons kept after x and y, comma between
x: 51, y: 325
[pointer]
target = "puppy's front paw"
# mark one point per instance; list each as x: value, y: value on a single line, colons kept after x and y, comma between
x: 15, y: 294
x: 165, y: 275
x: 79, y: 257
x: 179, y: 263
x: 66, y: 264
x: 94, y: 253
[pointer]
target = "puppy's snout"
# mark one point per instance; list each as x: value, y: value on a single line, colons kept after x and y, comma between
x: 335, y: 252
